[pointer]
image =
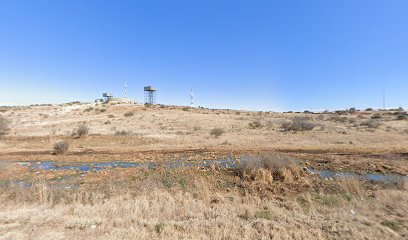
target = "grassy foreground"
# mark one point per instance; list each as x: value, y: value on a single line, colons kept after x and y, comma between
x: 266, y: 198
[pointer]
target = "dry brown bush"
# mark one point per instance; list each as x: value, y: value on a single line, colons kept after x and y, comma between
x: 299, y: 124
x: 371, y: 123
x: 81, y: 131
x: 122, y: 133
x: 61, y: 147
x: 128, y: 114
x: 255, y: 124
x: 216, y: 132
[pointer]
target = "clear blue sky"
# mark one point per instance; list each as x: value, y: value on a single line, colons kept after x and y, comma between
x: 260, y: 55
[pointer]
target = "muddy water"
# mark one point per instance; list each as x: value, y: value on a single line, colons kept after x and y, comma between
x: 223, y: 163
x: 373, y: 177
x: 87, y: 167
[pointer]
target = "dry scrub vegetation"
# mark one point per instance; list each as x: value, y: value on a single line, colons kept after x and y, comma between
x: 269, y: 196
x: 261, y: 200
x: 171, y: 127
x: 4, y: 126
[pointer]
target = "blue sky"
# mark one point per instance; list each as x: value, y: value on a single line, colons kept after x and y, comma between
x: 257, y: 55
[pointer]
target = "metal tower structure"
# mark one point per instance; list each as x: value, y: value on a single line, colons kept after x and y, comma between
x: 150, y: 95
x: 192, y: 98
x: 125, y: 89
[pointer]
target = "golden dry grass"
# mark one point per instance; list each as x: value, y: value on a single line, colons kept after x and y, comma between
x: 186, y: 204
x: 264, y: 200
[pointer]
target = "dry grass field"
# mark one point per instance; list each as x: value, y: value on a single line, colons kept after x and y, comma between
x: 270, y: 195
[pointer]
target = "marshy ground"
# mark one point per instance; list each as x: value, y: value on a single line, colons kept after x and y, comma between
x: 270, y: 193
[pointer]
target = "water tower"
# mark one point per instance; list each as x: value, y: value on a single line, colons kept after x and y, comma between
x: 150, y: 95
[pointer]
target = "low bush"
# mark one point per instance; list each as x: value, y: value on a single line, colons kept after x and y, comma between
x: 88, y: 109
x: 61, y: 147
x: 402, y: 116
x: 81, y: 131
x: 216, y: 132
x: 4, y: 126
x: 371, y: 123
x: 376, y: 116
x: 255, y: 124
x: 128, y: 114
x: 122, y: 133
x: 337, y: 118
x: 299, y: 124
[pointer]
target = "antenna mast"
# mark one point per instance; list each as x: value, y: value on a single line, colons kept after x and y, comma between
x: 192, y: 97
x: 125, y: 89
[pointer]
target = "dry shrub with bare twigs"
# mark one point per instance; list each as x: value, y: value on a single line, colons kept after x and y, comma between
x: 82, y: 131
x: 216, y: 132
x: 299, y: 124
x: 61, y: 147
x: 371, y: 123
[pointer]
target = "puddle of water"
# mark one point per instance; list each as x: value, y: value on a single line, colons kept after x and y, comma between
x: 224, y: 163
x: 86, y: 167
x: 374, y: 177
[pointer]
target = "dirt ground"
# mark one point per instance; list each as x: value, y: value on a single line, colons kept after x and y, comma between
x: 274, y: 197
x: 161, y: 133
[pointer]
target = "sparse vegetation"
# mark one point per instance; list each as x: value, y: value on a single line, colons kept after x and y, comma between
x: 376, y: 116
x: 371, y: 123
x: 299, y: 124
x: 197, y: 128
x: 81, y: 131
x: 61, y: 147
x: 402, y: 116
x: 159, y: 228
x: 88, y: 109
x: 217, y: 132
x: 265, y: 215
x: 123, y: 133
x: 394, y: 225
x: 255, y: 124
x: 261, y: 196
x: 128, y: 114
x: 4, y: 126
x: 269, y: 168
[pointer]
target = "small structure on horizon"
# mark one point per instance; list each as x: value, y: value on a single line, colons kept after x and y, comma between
x: 107, y: 97
x: 150, y: 95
